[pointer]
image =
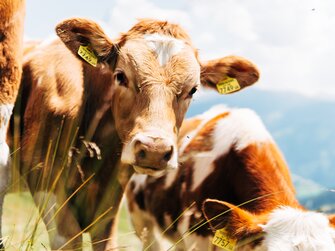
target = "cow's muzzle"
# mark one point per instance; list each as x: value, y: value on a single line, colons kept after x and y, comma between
x: 150, y: 154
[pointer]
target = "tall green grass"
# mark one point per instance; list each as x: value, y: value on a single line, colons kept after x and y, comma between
x: 20, y: 218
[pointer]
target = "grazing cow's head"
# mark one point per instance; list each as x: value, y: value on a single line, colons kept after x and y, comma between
x: 156, y: 72
x: 284, y: 228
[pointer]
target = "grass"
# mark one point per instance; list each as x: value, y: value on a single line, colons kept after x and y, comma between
x: 22, y: 227
x: 19, y: 219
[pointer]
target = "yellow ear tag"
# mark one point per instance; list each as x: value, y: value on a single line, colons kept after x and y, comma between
x: 222, y: 240
x: 88, y: 55
x: 228, y: 85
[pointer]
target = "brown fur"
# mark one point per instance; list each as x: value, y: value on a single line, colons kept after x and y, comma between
x: 332, y: 220
x: 202, y: 141
x: 187, y: 126
x: 149, y: 26
x: 243, y: 71
x: 78, y: 119
x: 255, y: 177
x: 11, y: 38
x: 240, y: 224
x: 12, y: 14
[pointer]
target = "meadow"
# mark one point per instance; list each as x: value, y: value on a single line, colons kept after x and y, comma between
x: 21, y: 219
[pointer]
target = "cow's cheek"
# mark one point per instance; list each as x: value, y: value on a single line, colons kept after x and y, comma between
x: 123, y: 110
x: 180, y: 109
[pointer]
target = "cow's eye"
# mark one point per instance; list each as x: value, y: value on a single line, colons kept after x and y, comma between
x: 121, y: 78
x: 193, y: 90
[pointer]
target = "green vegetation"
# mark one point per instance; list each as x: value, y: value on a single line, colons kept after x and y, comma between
x: 21, y: 216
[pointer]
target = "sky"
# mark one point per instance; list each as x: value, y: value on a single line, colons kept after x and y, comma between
x: 291, y: 41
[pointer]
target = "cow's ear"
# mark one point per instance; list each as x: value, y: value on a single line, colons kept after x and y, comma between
x: 229, y: 74
x: 87, y: 41
x: 238, y: 222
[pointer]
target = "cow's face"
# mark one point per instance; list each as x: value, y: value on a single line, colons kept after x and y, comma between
x: 156, y: 71
x: 155, y: 79
x: 284, y: 228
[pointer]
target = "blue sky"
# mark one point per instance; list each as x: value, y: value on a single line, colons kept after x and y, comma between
x: 292, y: 41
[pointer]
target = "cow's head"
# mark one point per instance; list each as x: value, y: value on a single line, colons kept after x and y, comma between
x: 156, y: 72
x: 284, y: 228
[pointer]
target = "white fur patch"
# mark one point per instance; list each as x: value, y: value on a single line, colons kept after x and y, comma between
x: 294, y: 230
x: 164, y: 46
x: 240, y: 128
x: 202, y: 158
x: 5, y: 113
x: 170, y: 178
x: 139, y: 181
x: 4, y: 154
x: 203, y: 167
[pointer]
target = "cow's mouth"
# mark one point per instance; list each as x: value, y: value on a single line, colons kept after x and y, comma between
x: 152, y: 171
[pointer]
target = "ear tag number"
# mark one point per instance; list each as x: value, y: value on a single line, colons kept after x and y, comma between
x: 228, y: 85
x: 88, y: 55
x: 222, y: 240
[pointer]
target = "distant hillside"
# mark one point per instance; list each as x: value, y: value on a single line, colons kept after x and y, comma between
x: 324, y: 202
x: 306, y: 188
x: 314, y: 196
x: 304, y: 128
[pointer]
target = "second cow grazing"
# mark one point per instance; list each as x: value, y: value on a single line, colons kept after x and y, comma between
x: 226, y: 155
x: 116, y: 106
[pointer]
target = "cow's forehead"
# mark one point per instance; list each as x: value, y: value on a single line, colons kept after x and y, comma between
x: 165, y: 47
x: 163, y: 57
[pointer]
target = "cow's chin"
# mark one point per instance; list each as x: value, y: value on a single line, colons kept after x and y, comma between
x: 149, y: 171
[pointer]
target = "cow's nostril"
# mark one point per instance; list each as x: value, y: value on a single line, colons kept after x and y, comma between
x: 141, y: 154
x: 168, y: 155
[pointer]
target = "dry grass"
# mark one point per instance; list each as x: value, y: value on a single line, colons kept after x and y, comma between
x: 19, y: 220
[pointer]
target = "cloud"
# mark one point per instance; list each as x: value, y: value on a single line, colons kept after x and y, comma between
x: 125, y: 13
x: 292, y: 42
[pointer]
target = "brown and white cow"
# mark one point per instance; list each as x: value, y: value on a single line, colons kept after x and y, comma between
x: 227, y: 155
x: 121, y: 115
x: 11, y: 42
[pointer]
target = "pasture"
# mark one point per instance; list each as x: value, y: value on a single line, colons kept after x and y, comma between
x: 24, y: 230
x: 25, y: 227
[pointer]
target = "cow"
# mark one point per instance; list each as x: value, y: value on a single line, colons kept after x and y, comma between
x: 96, y: 110
x: 226, y: 154
x: 283, y: 228
x: 11, y: 46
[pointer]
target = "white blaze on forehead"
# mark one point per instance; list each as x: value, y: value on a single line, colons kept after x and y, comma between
x: 293, y: 229
x: 164, y: 46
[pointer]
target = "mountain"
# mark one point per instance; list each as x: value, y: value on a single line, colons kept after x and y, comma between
x: 304, y: 128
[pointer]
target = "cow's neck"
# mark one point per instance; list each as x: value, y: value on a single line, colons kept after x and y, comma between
x: 110, y: 176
